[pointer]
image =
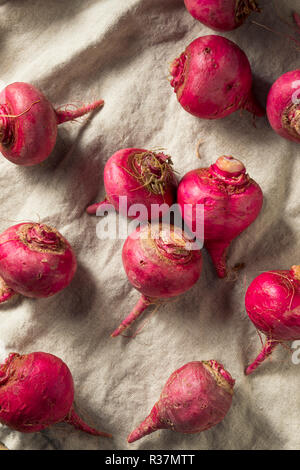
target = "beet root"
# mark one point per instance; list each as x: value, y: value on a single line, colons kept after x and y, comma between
x: 37, y: 391
x: 273, y: 305
x: 212, y: 78
x: 28, y: 123
x: 221, y: 15
x: 159, y: 263
x: 283, y: 106
x: 231, y: 202
x: 196, y: 397
x: 143, y: 177
x: 35, y: 261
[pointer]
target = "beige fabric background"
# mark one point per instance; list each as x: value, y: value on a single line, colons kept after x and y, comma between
x: 120, y: 50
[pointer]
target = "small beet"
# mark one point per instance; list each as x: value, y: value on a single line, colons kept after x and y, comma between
x: 28, y: 123
x: 35, y: 261
x: 283, y: 106
x: 159, y: 263
x: 37, y: 391
x: 143, y: 177
x: 273, y: 305
x: 196, y: 397
x: 221, y: 15
x: 212, y: 78
x: 231, y: 202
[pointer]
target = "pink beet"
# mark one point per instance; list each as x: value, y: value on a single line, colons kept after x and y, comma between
x: 28, y: 123
x: 37, y: 391
x: 273, y: 305
x: 283, y: 106
x: 221, y: 15
x: 143, y: 177
x: 35, y: 261
x: 212, y: 78
x: 231, y: 201
x: 196, y: 397
x: 159, y: 263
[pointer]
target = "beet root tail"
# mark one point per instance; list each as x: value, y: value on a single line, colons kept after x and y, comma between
x: 146, y: 427
x: 79, y: 424
x: 105, y: 205
x: 64, y: 115
x: 253, y: 106
x: 263, y: 355
x: 218, y: 251
x: 137, y: 311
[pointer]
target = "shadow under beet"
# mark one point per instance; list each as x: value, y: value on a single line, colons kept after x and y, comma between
x: 74, y: 303
x: 261, y: 88
x: 79, y: 298
x: 64, y: 148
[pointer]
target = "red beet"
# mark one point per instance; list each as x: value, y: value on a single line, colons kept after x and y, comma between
x: 37, y: 391
x: 160, y: 264
x: 283, y: 106
x: 35, y: 261
x: 221, y: 15
x: 212, y: 78
x: 143, y: 177
x: 231, y: 200
x: 196, y: 397
x: 273, y: 305
x: 28, y: 123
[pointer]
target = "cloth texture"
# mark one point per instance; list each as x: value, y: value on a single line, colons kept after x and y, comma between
x: 120, y: 50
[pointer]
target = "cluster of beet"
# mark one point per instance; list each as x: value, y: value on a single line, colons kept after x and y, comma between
x: 212, y: 78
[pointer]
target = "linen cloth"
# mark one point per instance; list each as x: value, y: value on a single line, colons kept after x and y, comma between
x: 120, y: 50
